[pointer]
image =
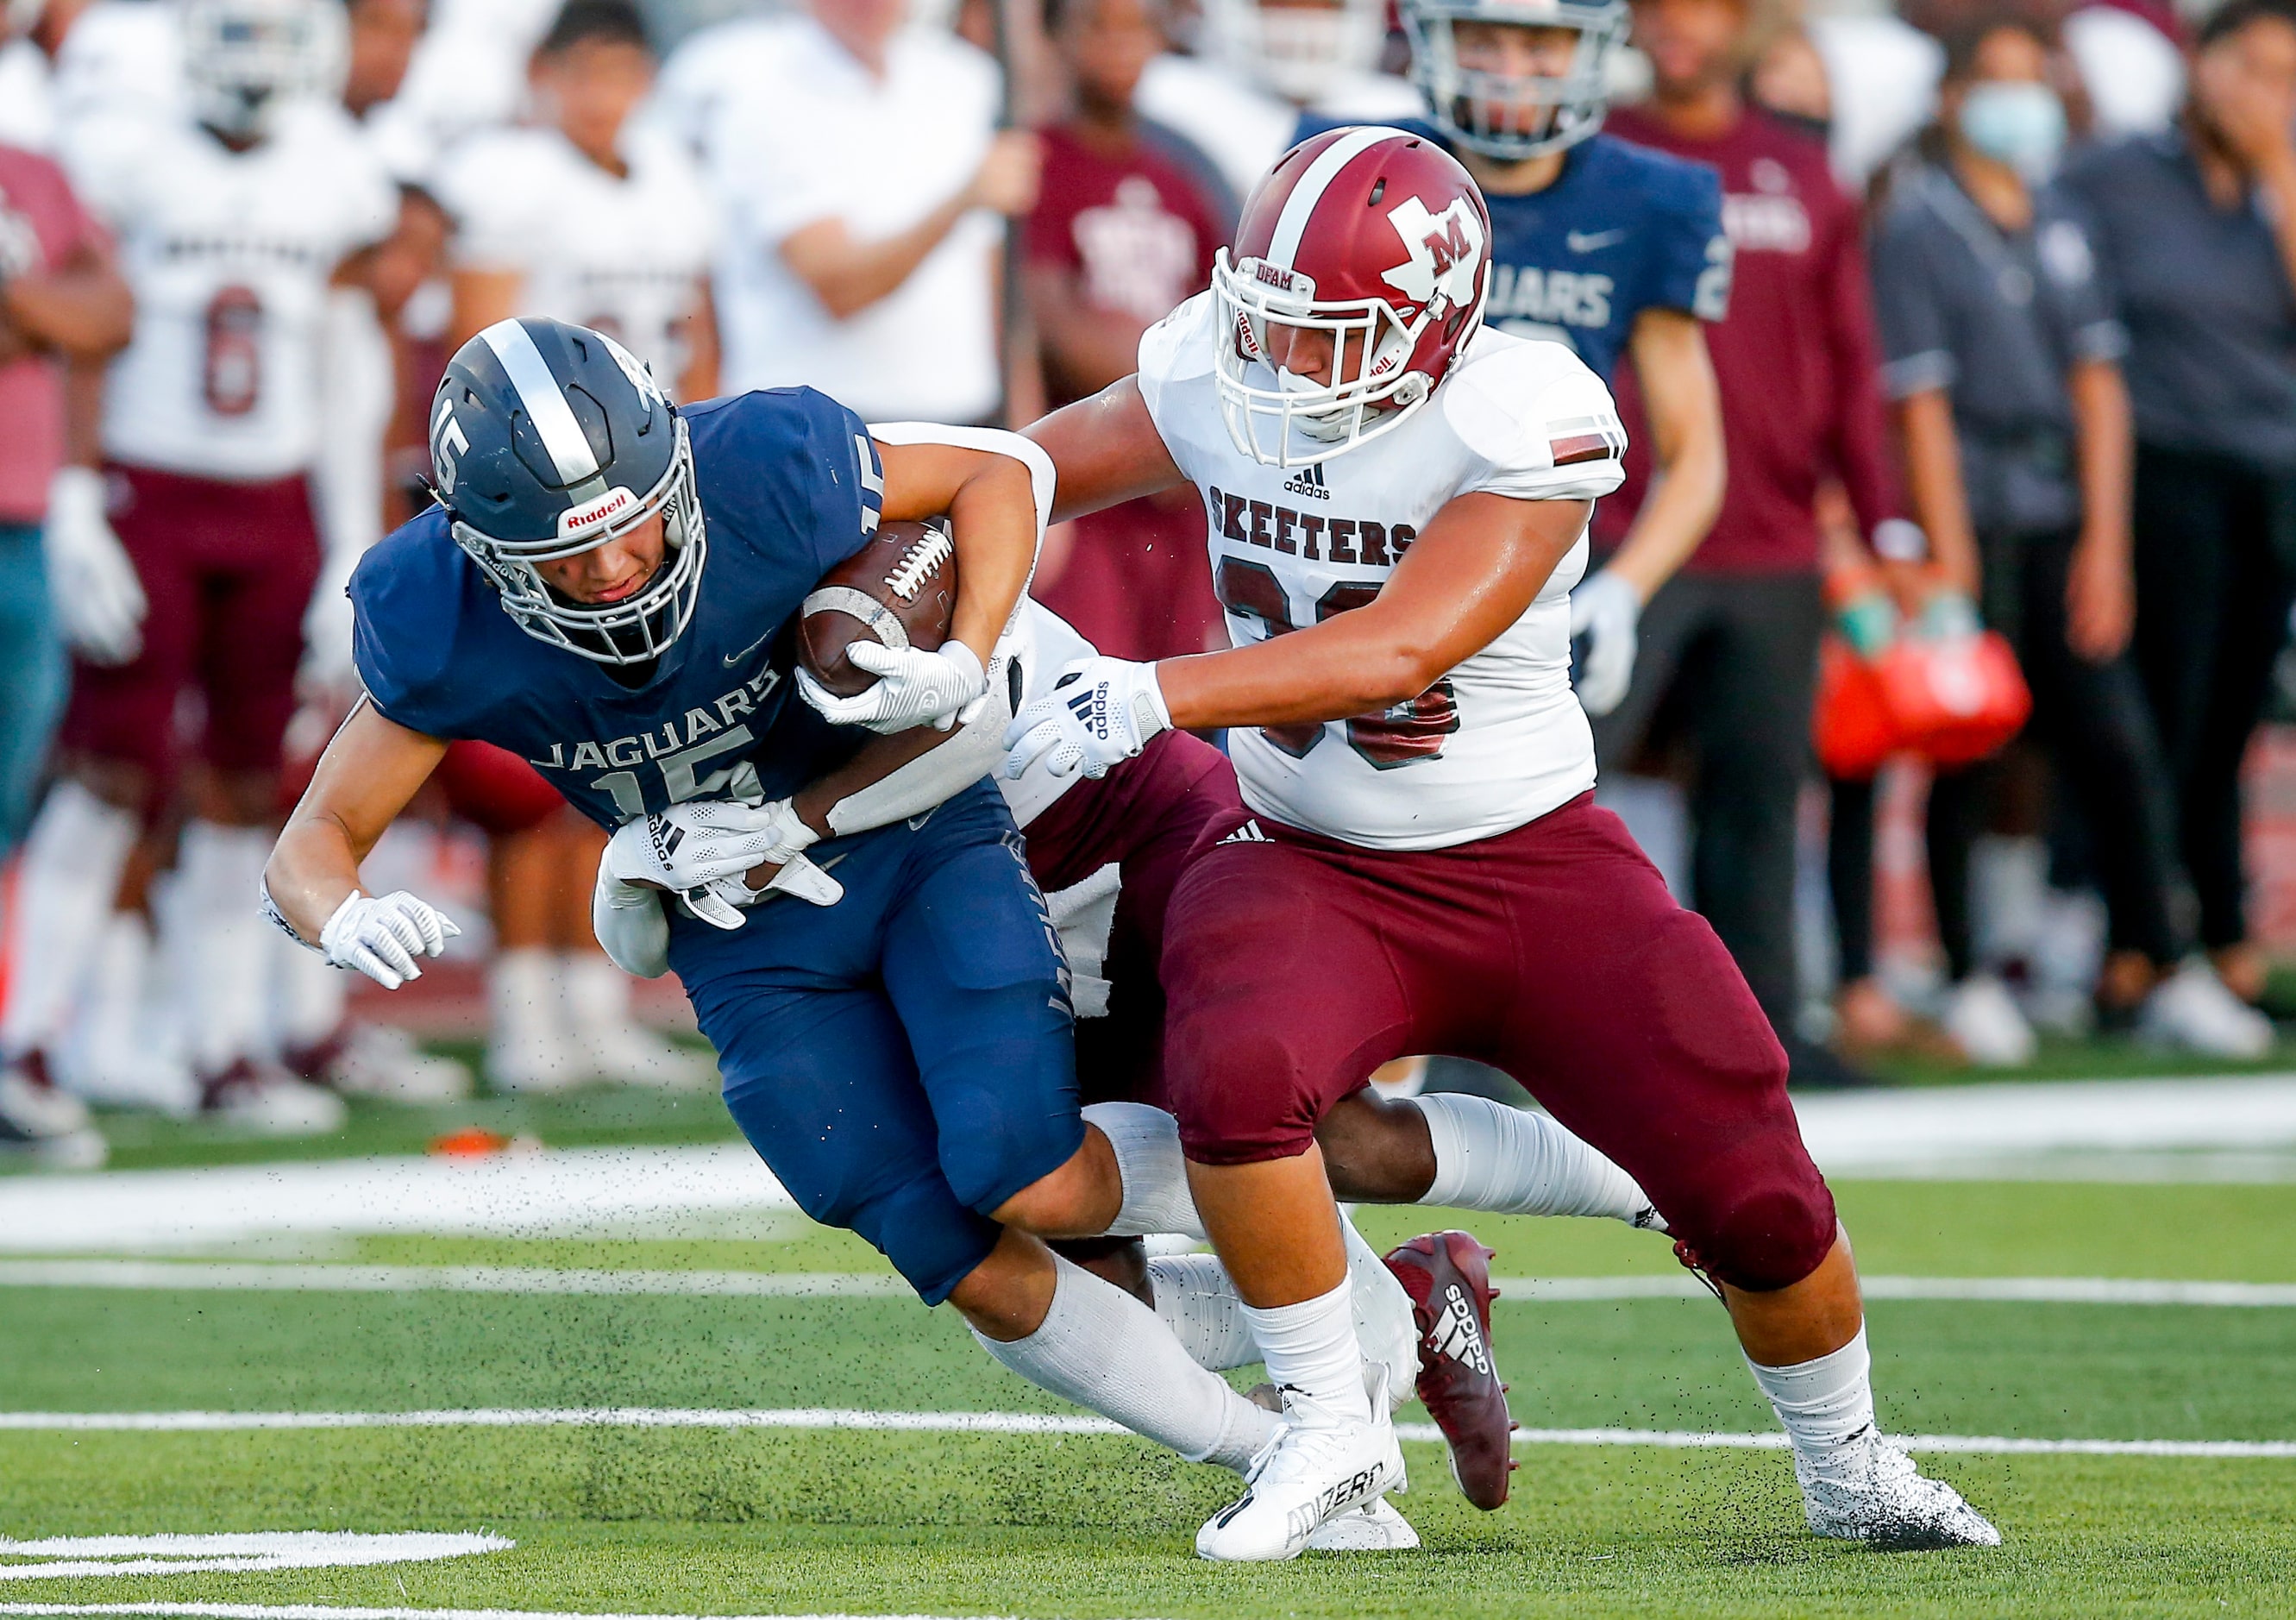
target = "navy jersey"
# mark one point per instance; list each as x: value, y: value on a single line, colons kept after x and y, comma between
x: 1622, y: 229
x: 789, y: 485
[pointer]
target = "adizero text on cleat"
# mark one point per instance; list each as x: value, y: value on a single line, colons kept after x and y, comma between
x: 1318, y: 1468
x: 1448, y: 1275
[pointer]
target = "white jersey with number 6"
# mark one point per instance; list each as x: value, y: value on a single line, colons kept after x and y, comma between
x: 229, y: 255
x: 1501, y: 739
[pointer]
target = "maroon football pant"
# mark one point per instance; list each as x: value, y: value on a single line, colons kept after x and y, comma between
x: 1147, y: 816
x: 1295, y: 966
x: 228, y: 570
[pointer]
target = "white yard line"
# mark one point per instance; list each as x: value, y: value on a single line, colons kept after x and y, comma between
x: 73, y: 1558
x: 1033, y: 1423
x: 199, y: 1276
x: 323, y: 1611
x: 448, y: 1279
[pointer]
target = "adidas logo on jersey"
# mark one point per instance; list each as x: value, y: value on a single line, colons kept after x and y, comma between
x: 1249, y: 832
x: 1309, y: 481
x: 1458, y: 1334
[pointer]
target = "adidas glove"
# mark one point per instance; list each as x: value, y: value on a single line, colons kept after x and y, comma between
x: 913, y: 688
x: 1604, y: 612
x: 381, y: 938
x: 1099, y: 713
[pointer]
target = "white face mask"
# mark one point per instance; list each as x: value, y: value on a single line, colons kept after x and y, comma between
x: 2018, y: 123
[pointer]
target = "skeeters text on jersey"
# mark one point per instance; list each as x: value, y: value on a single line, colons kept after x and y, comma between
x: 1499, y: 741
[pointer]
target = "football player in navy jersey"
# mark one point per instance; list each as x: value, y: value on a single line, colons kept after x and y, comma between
x: 608, y: 585
x: 1606, y: 247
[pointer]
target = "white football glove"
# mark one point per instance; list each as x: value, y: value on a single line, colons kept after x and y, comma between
x: 913, y: 687
x: 1099, y: 713
x: 700, y: 850
x: 381, y: 938
x: 1605, y: 610
x: 99, y: 601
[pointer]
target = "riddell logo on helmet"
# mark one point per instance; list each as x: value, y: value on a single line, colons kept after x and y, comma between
x: 611, y: 504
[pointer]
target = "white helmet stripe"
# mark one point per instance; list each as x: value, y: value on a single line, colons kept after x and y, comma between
x: 545, y: 400
x: 1291, y: 224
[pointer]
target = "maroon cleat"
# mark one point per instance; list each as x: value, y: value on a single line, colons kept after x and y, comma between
x: 1448, y: 1275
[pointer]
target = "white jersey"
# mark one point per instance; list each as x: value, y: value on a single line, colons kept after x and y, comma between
x: 229, y: 255
x: 623, y: 254
x: 1499, y: 741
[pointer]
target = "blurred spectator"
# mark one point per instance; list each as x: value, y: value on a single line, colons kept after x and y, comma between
x: 594, y: 218
x: 1258, y: 64
x: 2003, y: 348
x: 860, y: 173
x: 211, y: 425
x: 2129, y: 65
x: 587, y: 217
x: 2197, y: 230
x: 1729, y: 645
x: 62, y: 305
x: 1122, y: 234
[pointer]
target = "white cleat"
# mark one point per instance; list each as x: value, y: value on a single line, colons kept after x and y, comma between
x: 1317, y: 1469
x: 1872, y: 1493
x: 379, y: 1060
x: 2192, y: 1010
x: 1375, y: 1527
x: 263, y: 1100
x: 1986, y: 1023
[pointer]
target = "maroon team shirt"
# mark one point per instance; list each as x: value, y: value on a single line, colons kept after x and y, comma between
x: 1139, y: 233
x: 40, y: 218
x: 1797, y: 359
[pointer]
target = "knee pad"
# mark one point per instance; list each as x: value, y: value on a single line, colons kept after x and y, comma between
x: 1762, y: 1237
x: 932, y: 1240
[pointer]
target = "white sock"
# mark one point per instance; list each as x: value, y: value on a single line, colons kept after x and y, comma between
x: 1513, y: 1162
x: 597, y: 993
x: 1387, y: 1333
x: 1102, y: 1348
x: 221, y: 943
x: 1823, y: 1404
x: 308, y: 995
x: 1196, y: 1299
x: 528, y: 1001
x: 1311, y: 1349
x: 78, y: 849
x: 1147, y: 1144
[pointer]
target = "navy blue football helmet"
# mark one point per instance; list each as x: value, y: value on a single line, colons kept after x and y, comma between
x: 548, y: 439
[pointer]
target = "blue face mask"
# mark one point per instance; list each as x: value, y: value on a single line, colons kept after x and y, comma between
x: 2019, y: 124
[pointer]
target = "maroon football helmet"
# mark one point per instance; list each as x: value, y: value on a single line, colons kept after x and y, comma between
x: 1375, y: 236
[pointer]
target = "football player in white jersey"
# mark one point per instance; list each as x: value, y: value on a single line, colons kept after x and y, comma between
x: 593, y: 217
x: 232, y: 223
x: 1398, y: 508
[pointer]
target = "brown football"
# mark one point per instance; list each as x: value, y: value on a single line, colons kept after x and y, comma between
x: 900, y: 589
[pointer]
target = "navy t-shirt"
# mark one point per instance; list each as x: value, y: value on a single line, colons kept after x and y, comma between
x: 789, y: 485
x: 1621, y: 230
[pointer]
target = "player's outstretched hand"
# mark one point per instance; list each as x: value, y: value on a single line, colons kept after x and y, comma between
x: 381, y: 938
x: 1604, y: 609
x: 912, y: 688
x: 1100, y: 712
x: 100, y: 601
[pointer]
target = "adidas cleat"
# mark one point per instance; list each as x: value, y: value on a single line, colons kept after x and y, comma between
x: 1375, y: 1527
x: 1448, y: 1275
x: 1872, y: 1493
x: 1317, y: 1468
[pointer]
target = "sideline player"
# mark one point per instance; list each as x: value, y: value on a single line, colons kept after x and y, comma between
x: 1419, y: 866
x: 232, y: 221
x: 607, y: 591
x: 1613, y: 250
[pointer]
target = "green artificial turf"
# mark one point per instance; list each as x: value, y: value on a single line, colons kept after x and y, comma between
x: 749, y: 1522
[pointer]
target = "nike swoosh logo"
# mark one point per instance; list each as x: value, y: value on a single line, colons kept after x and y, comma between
x: 1584, y: 241
x: 733, y: 658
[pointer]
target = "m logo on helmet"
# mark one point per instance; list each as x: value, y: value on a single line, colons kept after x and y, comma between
x: 1446, y: 250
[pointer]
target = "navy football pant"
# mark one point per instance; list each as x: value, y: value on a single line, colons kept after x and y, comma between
x: 903, y: 1059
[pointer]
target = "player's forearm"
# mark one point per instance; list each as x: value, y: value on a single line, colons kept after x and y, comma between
x: 83, y: 313
x: 313, y: 869
x: 1686, y: 422
x: 1331, y: 672
x: 1107, y: 450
